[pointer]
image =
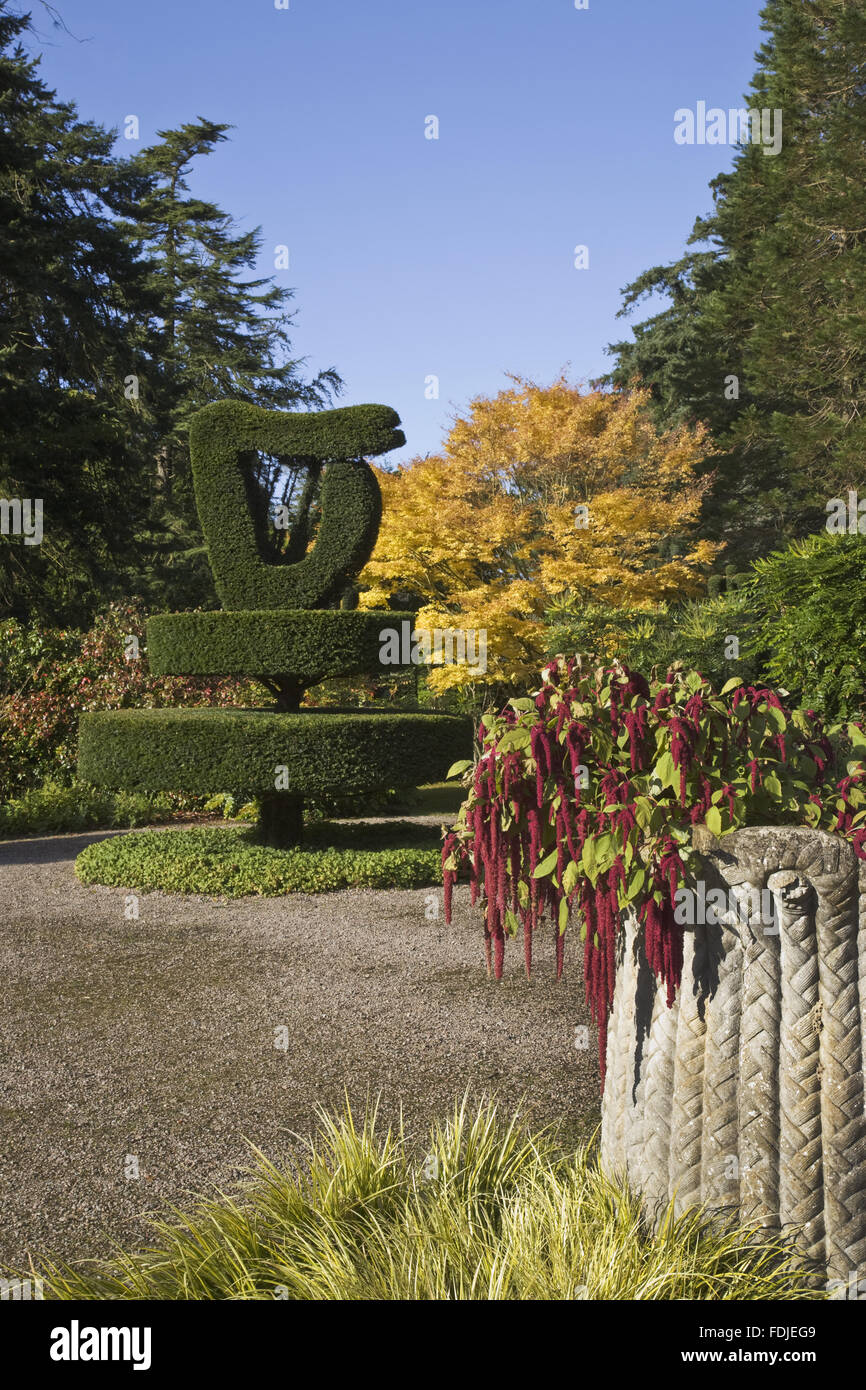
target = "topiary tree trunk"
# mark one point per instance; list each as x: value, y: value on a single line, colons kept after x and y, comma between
x: 748, y: 1094
x: 281, y: 820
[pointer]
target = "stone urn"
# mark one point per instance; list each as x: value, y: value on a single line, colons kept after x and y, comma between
x: 748, y: 1094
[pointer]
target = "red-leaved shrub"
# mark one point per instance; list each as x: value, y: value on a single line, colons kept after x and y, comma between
x: 48, y: 677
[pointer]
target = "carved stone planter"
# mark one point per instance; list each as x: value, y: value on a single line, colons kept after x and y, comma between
x: 748, y: 1094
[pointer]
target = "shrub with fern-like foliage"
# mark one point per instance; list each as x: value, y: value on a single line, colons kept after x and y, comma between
x: 811, y: 618
x: 797, y: 617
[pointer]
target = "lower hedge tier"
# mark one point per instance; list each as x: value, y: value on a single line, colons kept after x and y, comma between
x: 321, y: 751
x: 311, y: 645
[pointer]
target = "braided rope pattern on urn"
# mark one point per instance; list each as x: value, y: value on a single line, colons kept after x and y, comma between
x: 749, y: 1093
x: 661, y: 1045
x: 801, y: 1173
x: 687, y: 1098
x: 720, y: 1163
x: 758, y: 1090
x: 613, y: 1115
x: 843, y: 1123
x: 645, y: 999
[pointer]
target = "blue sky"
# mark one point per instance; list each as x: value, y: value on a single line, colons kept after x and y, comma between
x: 413, y: 257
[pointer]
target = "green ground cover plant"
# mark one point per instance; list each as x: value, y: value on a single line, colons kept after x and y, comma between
x: 58, y: 810
x: 483, y: 1209
x: 230, y: 863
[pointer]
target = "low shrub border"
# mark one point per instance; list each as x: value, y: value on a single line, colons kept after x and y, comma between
x: 57, y: 810
x: 229, y: 863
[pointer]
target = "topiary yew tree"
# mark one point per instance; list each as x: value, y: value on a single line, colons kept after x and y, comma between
x: 277, y: 625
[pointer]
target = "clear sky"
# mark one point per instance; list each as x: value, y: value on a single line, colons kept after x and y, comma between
x: 414, y: 257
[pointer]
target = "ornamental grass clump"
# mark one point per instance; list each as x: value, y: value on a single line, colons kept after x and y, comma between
x: 482, y: 1209
x: 585, y: 798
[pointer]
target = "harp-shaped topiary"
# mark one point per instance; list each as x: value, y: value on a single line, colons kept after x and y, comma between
x: 277, y: 625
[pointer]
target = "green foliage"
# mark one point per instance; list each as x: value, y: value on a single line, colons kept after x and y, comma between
x: 810, y: 615
x: 797, y: 615
x: 339, y: 752
x: 55, y: 809
x: 230, y: 863
x: 778, y: 301
x: 58, y: 810
x: 310, y: 645
x: 276, y: 757
x: 128, y: 304
x: 49, y: 676
x: 697, y: 635
x: 230, y: 808
x: 225, y: 333
x: 586, y: 797
x: 436, y: 799
x: 694, y: 633
x: 483, y: 1210
x: 351, y: 506
x: 71, y: 285
x: 381, y: 801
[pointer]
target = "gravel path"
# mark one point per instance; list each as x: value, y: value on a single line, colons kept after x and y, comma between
x: 155, y: 1038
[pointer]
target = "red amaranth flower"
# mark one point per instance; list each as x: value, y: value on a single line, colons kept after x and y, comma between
x: 529, y: 799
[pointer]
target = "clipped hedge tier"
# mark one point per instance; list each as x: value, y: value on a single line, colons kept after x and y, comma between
x: 311, y: 645
x: 351, y: 504
x: 323, y: 751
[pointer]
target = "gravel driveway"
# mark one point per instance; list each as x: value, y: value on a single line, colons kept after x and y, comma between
x: 150, y: 1044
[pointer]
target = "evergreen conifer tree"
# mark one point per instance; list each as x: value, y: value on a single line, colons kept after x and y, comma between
x: 70, y: 285
x: 779, y: 298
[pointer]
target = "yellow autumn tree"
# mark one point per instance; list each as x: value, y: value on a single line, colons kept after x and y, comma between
x: 540, y: 492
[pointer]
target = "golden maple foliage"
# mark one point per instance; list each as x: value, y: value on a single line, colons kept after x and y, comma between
x: 540, y: 492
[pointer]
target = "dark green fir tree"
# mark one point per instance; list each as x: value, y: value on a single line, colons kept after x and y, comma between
x: 224, y: 333
x: 774, y: 294
x: 70, y: 285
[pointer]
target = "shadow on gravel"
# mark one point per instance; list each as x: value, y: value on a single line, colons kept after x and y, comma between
x: 51, y: 849
x: 182, y: 1035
